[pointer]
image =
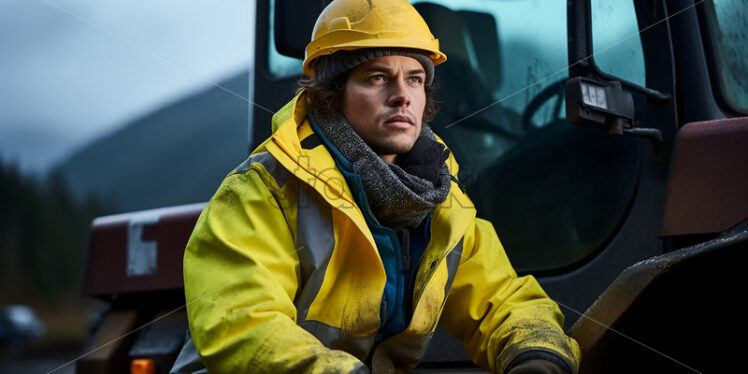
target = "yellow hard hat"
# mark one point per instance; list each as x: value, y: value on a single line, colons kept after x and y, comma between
x: 356, y: 24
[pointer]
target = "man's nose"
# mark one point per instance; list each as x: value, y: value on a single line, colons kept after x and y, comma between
x: 399, y: 95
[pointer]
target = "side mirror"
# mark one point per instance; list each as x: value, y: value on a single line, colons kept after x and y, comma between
x: 294, y: 21
x: 604, y: 105
x: 595, y: 104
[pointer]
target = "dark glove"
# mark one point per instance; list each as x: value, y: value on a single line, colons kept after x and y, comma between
x: 537, y: 366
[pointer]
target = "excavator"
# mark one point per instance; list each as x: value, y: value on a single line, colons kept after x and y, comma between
x: 606, y: 140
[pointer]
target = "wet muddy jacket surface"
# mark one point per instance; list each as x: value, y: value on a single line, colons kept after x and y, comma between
x: 282, y: 274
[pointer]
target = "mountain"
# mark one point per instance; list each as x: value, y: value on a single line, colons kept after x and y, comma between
x: 176, y: 155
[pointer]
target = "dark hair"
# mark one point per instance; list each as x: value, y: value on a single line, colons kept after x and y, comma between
x: 327, y: 94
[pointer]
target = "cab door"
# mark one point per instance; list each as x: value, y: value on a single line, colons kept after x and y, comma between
x: 572, y: 205
x: 668, y: 313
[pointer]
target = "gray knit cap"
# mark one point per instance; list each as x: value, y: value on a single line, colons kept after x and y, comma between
x: 330, y: 66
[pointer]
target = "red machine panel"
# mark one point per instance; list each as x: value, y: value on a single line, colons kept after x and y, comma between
x: 708, y: 187
x: 139, y: 251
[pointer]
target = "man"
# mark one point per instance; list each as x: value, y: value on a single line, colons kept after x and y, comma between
x: 344, y: 238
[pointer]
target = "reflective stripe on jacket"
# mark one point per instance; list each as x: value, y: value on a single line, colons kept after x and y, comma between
x: 282, y: 274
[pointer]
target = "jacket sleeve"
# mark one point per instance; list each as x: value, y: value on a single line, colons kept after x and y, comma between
x: 498, y: 315
x: 241, y: 272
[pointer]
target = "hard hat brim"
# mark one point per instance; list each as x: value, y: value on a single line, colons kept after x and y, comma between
x: 313, y: 52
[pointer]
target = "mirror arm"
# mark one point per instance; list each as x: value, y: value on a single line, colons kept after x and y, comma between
x: 648, y: 92
x: 655, y: 135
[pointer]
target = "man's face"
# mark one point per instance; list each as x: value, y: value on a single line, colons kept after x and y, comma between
x: 384, y: 100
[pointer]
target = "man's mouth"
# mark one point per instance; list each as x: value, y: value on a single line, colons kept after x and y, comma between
x: 400, y: 120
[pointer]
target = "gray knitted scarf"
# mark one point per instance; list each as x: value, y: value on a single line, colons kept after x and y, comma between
x: 397, y: 199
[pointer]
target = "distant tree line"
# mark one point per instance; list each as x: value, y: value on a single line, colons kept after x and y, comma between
x: 43, y: 236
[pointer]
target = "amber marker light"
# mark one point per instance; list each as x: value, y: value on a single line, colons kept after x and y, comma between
x: 143, y: 366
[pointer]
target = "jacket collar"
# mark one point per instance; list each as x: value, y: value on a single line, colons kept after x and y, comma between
x: 317, y: 168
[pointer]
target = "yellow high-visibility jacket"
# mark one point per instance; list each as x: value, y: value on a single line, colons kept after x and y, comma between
x: 282, y: 274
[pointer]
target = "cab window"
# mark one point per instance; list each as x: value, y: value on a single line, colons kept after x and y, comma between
x: 616, y: 43
x: 555, y: 192
x: 279, y: 65
x: 727, y: 22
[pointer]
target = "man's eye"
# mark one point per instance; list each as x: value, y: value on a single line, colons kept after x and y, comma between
x: 378, y: 77
x: 416, y: 79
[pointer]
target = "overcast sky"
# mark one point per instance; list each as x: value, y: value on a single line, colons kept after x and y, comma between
x: 74, y: 70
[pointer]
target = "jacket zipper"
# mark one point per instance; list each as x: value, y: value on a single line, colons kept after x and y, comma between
x: 407, y: 275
